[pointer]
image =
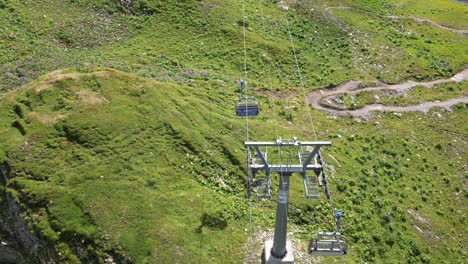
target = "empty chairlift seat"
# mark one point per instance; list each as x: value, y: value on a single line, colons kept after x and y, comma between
x: 328, y: 244
x: 247, y: 106
x: 263, y: 186
x: 310, y: 185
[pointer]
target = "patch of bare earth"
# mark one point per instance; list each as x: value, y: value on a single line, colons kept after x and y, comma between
x: 44, y: 118
x: 253, y: 250
x: 49, y: 79
x: 91, y: 98
x: 423, y: 226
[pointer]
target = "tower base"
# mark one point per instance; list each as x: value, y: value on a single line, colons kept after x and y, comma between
x: 269, y: 259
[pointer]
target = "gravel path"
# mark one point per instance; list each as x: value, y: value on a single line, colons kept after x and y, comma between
x: 417, y: 19
x: 352, y: 87
x: 427, y: 21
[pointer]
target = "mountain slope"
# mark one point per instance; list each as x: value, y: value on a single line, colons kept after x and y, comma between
x: 125, y: 139
x: 108, y: 164
x: 165, y: 40
x: 119, y: 142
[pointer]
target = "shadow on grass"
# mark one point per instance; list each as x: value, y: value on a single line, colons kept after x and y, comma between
x: 215, y: 221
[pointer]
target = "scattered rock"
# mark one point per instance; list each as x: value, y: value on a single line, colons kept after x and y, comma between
x: 283, y: 5
x: 109, y: 260
x: 338, y: 100
x: 418, y: 229
x: 417, y: 216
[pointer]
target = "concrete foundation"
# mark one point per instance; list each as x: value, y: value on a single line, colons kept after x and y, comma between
x: 269, y: 259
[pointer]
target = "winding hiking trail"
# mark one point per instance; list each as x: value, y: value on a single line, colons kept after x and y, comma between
x: 337, y: 7
x: 463, y: 32
x: 352, y: 87
x: 427, y: 21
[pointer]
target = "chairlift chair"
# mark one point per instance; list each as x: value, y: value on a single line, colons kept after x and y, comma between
x: 263, y: 184
x: 247, y: 106
x: 262, y: 181
x: 328, y: 244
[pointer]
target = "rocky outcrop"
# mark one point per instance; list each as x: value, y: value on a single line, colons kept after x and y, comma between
x: 19, y: 244
x: 9, y: 255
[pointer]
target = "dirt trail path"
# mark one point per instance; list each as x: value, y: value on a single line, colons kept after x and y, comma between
x: 337, y: 7
x: 352, y: 87
x: 417, y: 19
x: 427, y: 21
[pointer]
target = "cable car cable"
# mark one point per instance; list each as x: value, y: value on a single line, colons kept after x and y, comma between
x: 247, y: 125
x: 269, y: 72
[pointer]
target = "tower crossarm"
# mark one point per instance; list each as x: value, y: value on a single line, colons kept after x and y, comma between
x: 301, y: 167
x: 286, y: 143
x: 287, y: 169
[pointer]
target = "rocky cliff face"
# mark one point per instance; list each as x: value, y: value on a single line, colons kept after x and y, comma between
x: 18, y: 244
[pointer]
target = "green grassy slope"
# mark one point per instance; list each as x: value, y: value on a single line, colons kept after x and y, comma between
x: 147, y: 162
x: 135, y: 169
x: 128, y: 168
x: 165, y: 40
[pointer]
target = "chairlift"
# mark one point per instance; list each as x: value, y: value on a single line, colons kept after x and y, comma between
x: 328, y: 244
x: 263, y: 184
x: 262, y: 179
x: 247, y: 106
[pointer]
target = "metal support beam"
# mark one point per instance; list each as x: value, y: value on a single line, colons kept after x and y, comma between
x: 281, y: 225
x: 286, y: 168
x: 286, y: 143
x: 311, y: 156
x: 260, y: 154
